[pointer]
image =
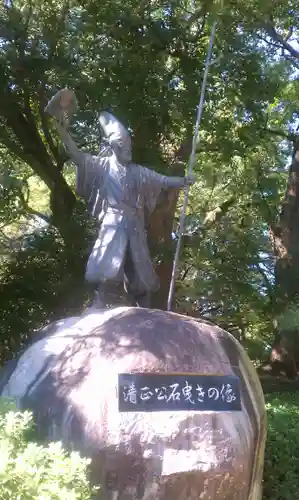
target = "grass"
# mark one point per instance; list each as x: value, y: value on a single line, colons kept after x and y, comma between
x: 281, y: 473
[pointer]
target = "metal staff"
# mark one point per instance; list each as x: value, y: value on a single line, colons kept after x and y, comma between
x: 195, y: 143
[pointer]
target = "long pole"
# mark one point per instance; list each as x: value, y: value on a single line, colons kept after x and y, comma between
x: 195, y: 143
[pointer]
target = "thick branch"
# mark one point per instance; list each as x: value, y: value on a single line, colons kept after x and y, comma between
x: 27, y: 157
x: 218, y: 212
x: 284, y: 43
x: 24, y: 129
x: 273, y: 44
x: 31, y: 149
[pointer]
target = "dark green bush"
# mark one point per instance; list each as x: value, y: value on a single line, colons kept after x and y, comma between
x: 42, y: 282
x: 281, y: 474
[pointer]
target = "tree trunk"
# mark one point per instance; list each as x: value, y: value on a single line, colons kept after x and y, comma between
x: 62, y: 204
x: 160, y: 241
x: 161, y: 227
x: 285, y: 238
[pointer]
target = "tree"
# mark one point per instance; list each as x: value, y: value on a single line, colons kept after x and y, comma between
x: 145, y: 63
x: 277, y: 26
x: 40, y: 52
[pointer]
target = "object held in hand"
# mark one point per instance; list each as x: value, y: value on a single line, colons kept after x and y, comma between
x: 190, y: 180
x: 62, y: 106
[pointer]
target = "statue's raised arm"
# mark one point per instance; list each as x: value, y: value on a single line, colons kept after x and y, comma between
x: 62, y: 106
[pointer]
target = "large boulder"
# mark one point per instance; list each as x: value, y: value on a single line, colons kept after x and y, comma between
x: 69, y: 378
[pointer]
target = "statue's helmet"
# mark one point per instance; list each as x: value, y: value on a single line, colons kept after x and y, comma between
x: 117, y: 136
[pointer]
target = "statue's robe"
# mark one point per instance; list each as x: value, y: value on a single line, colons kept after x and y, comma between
x: 118, y: 196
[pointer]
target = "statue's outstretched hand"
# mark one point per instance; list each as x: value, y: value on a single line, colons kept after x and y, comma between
x: 61, y: 106
x: 190, y: 180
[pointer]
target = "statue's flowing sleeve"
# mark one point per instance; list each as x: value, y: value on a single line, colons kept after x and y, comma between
x: 89, y: 173
x: 152, y: 184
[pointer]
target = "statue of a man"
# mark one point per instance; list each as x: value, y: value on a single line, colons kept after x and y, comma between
x: 118, y: 193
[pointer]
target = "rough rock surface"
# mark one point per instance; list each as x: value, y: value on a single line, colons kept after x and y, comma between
x: 68, y: 377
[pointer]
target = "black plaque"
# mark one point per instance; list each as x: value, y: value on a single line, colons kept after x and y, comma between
x: 178, y: 392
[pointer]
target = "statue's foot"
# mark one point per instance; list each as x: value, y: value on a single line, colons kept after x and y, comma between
x: 97, y: 302
x: 143, y: 300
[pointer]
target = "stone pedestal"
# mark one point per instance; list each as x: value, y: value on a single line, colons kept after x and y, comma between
x: 69, y: 378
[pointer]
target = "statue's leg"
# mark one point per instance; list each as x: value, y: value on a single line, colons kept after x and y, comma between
x: 104, y: 295
x: 96, y: 295
x: 132, y: 284
x: 143, y: 299
x: 100, y: 296
x: 104, y: 292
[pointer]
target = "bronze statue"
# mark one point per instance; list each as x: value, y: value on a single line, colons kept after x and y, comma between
x: 118, y: 192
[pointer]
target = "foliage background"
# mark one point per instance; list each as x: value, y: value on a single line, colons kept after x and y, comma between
x: 144, y: 61
x: 150, y: 57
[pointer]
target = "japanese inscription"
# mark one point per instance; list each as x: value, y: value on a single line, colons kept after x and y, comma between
x: 178, y: 392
